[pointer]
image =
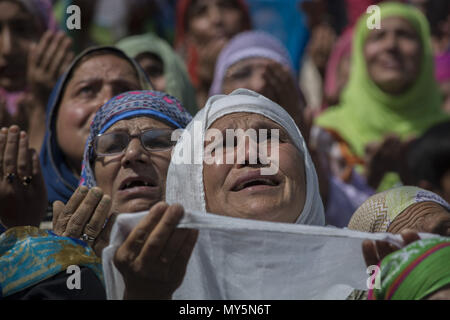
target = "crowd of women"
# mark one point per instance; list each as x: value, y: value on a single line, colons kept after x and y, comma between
x: 87, y: 141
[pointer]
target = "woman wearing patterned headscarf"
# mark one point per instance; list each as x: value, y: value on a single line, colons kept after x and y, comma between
x: 419, y: 271
x: 125, y: 163
x: 403, y: 208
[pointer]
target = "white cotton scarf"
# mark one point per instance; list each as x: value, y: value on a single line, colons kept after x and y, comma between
x: 247, y: 259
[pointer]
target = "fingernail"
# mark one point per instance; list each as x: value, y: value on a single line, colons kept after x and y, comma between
x: 83, y: 190
x: 97, y: 192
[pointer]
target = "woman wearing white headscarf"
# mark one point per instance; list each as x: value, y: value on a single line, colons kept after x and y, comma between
x: 240, y: 190
x: 241, y: 103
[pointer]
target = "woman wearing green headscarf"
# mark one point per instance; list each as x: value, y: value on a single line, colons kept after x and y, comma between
x: 391, y: 89
x: 421, y: 270
x: 163, y: 66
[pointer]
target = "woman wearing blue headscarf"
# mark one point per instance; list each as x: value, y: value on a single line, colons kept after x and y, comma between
x: 125, y: 164
x: 94, y: 77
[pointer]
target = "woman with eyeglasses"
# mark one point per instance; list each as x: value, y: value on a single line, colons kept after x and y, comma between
x: 126, y: 161
x: 125, y: 164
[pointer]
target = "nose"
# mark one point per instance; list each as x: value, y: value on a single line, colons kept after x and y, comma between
x: 135, y: 153
x: 247, y: 152
x: 390, y: 41
x: 257, y: 82
x: 6, y: 41
x: 214, y: 14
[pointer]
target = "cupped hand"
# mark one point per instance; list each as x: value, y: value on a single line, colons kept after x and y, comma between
x: 375, y: 251
x: 154, y: 257
x: 47, y: 60
x: 87, y: 215
x: 23, y: 196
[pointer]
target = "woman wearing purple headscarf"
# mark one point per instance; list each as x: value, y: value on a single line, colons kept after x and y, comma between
x: 257, y: 61
x: 32, y: 55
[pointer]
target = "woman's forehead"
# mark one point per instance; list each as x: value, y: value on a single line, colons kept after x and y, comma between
x: 142, y: 122
x: 240, y: 119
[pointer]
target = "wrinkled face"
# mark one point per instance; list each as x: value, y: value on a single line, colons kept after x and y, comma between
x: 428, y: 217
x: 18, y: 30
x: 93, y: 83
x: 393, y: 55
x: 211, y: 20
x: 239, y: 190
x: 136, y: 179
x: 154, y: 68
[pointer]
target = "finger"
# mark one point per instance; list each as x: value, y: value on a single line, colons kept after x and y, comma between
x: 173, y: 246
x: 159, y: 238
x: 32, y: 55
x: 12, y: 146
x: 178, y: 267
x: 370, y: 253
x: 60, y: 55
x: 131, y: 248
x: 35, y: 165
x: 96, y: 223
x: 102, y: 239
x: 58, y: 207
x: 409, y: 236
x: 71, y: 206
x: 23, y: 157
x: 384, y: 248
x: 3, y: 137
x: 66, y: 63
x: 84, y: 212
x: 42, y: 46
x: 50, y: 52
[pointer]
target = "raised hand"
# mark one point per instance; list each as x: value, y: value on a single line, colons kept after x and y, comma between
x: 87, y: 215
x: 47, y: 60
x: 23, y: 196
x: 375, y: 251
x: 154, y: 257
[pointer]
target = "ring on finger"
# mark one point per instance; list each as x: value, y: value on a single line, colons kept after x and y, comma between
x: 87, y: 238
x: 26, y: 180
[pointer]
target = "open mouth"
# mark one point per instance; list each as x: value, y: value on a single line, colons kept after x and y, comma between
x: 134, y: 183
x: 252, y: 180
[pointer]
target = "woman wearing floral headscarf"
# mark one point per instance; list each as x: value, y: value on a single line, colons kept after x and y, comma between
x: 125, y: 164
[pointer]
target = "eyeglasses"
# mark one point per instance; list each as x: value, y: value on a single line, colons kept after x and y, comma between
x: 114, y: 143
